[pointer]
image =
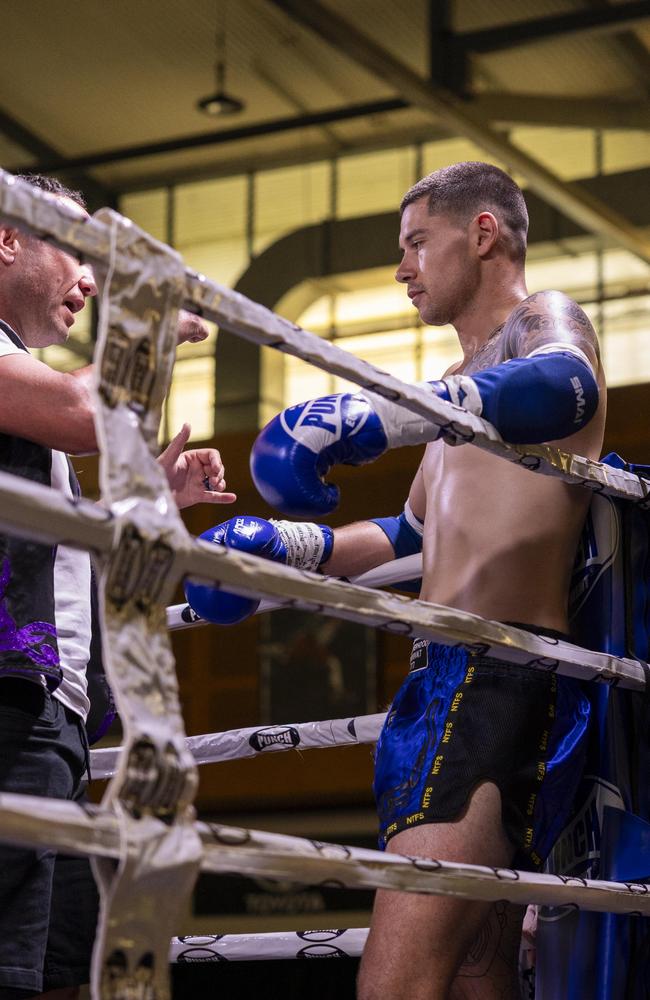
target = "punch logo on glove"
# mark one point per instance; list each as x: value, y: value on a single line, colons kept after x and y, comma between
x: 321, y: 422
x: 292, y: 455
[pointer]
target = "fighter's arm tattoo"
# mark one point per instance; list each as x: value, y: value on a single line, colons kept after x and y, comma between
x: 549, y: 317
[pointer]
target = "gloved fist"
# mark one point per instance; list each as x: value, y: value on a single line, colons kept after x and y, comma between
x: 218, y: 605
x: 295, y: 544
x: 295, y: 451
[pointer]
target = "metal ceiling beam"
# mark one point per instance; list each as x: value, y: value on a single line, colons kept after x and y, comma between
x: 636, y: 58
x: 448, y: 65
x: 505, y: 108
x: 603, y: 20
x: 97, y: 194
x: 584, y: 112
x: 631, y: 49
x: 455, y: 114
x: 296, y: 154
x: 120, y: 155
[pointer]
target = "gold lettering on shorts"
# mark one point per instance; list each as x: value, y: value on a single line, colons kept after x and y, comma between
x: 458, y: 697
x: 426, y: 799
x: 469, y: 676
x: 437, y: 764
x: 414, y: 818
x: 448, y: 728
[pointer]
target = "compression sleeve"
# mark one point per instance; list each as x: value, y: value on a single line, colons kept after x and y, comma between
x: 404, y: 532
x: 545, y: 396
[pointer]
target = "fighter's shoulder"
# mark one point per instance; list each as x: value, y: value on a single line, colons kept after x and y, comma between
x: 548, y: 317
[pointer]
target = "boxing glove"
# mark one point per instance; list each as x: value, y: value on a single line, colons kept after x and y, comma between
x: 548, y: 395
x: 297, y: 544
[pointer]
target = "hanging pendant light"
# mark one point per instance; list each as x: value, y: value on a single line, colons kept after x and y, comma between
x: 220, y: 102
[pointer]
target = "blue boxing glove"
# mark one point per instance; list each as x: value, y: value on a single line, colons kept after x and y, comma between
x: 298, y: 544
x: 296, y: 450
x: 548, y: 395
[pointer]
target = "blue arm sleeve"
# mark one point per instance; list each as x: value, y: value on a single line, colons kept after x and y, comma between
x: 403, y: 532
x: 544, y: 397
x: 405, y: 535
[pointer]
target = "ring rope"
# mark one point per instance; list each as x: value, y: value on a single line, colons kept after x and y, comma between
x: 345, y: 943
x: 402, y: 615
x: 278, y: 856
x: 95, y: 832
x: 181, y: 616
x: 235, y: 744
x: 80, y: 524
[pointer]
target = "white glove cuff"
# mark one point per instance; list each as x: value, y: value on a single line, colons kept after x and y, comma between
x: 304, y: 542
x: 401, y: 427
x: 463, y: 391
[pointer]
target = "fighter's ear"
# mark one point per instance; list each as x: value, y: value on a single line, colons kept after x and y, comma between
x: 486, y: 232
x: 8, y: 244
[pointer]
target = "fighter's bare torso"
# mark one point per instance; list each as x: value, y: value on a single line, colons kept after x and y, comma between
x: 498, y: 540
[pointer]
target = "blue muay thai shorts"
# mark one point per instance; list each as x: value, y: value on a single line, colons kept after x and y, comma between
x: 460, y: 719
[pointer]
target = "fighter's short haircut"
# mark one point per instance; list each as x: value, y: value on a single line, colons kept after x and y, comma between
x: 53, y: 186
x: 465, y: 189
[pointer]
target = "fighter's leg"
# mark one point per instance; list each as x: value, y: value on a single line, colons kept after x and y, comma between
x: 490, y: 966
x: 417, y: 944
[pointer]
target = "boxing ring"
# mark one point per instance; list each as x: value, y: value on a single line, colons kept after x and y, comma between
x: 146, y: 821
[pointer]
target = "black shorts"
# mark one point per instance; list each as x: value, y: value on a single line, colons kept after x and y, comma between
x: 48, y: 902
x: 463, y: 719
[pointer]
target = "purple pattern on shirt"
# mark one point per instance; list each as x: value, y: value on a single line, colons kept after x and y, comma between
x: 29, y: 639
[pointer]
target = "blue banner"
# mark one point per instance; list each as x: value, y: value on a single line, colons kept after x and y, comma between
x: 590, y: 955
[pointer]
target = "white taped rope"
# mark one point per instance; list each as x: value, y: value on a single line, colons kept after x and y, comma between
x: 253, y: 576
x: 91, y: 237
x: 272, y: 855
x: 348, y: 943
x: 235, y: 744
x: 238, y: 314
x: 91, y: 832
x: 402, y: 615
x: 397, y: 571
x: 241, y: 316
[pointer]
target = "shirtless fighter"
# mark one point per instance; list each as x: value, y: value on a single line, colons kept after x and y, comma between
x: 478, y: 760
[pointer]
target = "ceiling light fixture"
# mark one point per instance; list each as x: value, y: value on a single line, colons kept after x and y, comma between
x: 220, y: 102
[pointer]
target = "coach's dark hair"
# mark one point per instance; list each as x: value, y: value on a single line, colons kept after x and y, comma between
x: 465, y: 189
x: 53, y: 186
